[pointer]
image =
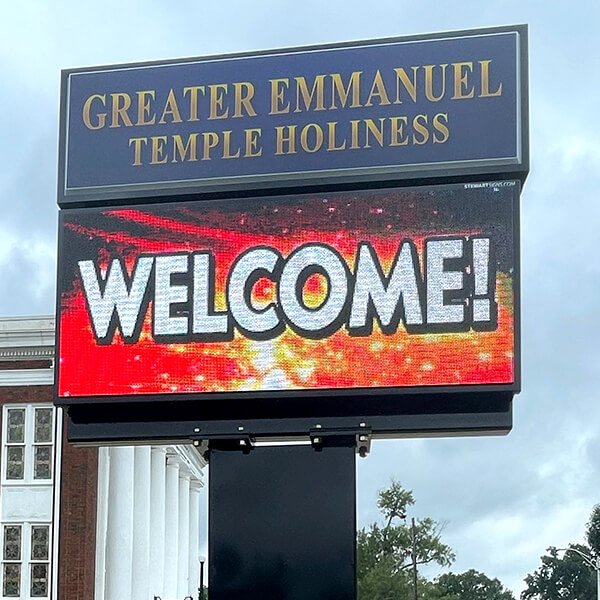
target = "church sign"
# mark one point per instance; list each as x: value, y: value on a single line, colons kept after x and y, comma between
x: 408, y: 108
x: 346, y: 292
x: 272, y: 241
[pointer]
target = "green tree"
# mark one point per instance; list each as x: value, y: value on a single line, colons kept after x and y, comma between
x: 564, y: 577
x: 380, y: 583
x: 384, y: 553
x: 472, y: 585
x: 592, y: 531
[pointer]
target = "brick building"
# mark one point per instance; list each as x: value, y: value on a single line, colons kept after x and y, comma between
x: 101, y: 523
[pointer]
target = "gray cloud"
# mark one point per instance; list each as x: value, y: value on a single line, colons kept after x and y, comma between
x: 505, y: 499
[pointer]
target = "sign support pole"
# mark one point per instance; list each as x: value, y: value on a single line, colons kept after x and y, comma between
x: 282, y: 519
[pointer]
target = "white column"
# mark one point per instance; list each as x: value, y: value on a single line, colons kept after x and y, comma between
x: 141, y: 525
x: 58, y: 437
x: 194, y: 534
x: 101, y: 521
x: 119, y: 534
x: 157, y: 521
x: 183, y: 562
x: 171, y: 527
x: 204, y: 517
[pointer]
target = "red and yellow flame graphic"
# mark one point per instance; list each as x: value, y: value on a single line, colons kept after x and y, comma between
x: 289, y: 361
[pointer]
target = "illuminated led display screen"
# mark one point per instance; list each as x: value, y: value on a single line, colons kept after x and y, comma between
x: 347, y: 293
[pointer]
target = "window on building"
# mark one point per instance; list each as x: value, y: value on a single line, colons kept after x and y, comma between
x: 11, y: 563
x: 40, y: 556
x: 42, y: 439
x: 28, y: 440
x: 15, y: 443
x: 25, y: 560
x: 28, y: 444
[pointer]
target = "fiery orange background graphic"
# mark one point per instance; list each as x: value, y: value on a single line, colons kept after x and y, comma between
x: 289, y: 361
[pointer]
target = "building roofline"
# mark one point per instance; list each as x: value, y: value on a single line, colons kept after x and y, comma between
x: 26, y: 334
x: 23, y: 340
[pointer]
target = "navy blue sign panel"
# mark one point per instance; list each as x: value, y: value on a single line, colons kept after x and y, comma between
x: 450, y: 105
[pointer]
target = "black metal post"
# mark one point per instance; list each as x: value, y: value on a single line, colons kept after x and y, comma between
x: 282, y: 521
x: 201, y: 588
x: 414, y: 557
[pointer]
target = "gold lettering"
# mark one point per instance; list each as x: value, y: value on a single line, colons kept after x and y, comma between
x: 441, y: 128
x: 409, y: 86
x: 485, y: 81
x: 419, y: 124
x: 372, y: 128
x: 211, y: 139
x: 318, y: 137
x: 429, y: 82
x: 100, y: 116
x: 397, y: 134
x: 317, y: 89
x: 354, y: 129
x: 120, y: 105
x: 193, y: 90
x: 278, y: 87
x: 243, y: 101
x: 461, y: 80
x: 343, y: 93
x: 217, y: 92
x: 331, y: 126
x: 171, y: 108
x: 182, y: 150
x: 227, y: 146
x: 158, y: 147
x: 282, y: 139
x: 252, y: 139
x: 137, y: 149
x: 144, y: 107
x: 378, y: 91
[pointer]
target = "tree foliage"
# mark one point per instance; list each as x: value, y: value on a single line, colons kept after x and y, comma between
x: 472, y: 585
x: 382, y: 582
x: 392, y: 544
x: 385, y: 557
x: 564, y: 577
x: 592, y: 531
x: 384, y: 553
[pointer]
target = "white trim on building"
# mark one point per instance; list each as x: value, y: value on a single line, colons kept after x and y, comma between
x: 23, y: 339
x: 27, y: 499
x: 160, y: 486
x: 26, y: 338
x: 148, y: 498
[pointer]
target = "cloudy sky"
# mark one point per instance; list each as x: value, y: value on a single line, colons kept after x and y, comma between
x: 504, y: 499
